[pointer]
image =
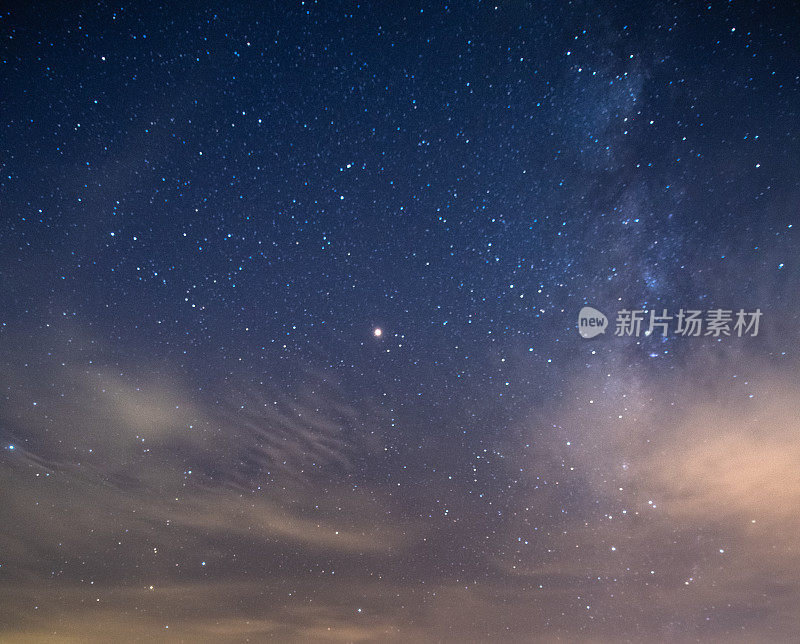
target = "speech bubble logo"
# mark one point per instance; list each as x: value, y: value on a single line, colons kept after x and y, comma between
x: 591, y: 322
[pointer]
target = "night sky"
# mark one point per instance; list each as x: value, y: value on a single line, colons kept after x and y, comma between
x: 289, y: 338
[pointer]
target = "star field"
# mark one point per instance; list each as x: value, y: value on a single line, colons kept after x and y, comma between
x: 288, y: 338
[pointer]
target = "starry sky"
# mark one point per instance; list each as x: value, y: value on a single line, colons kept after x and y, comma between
x: 289, y: 341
